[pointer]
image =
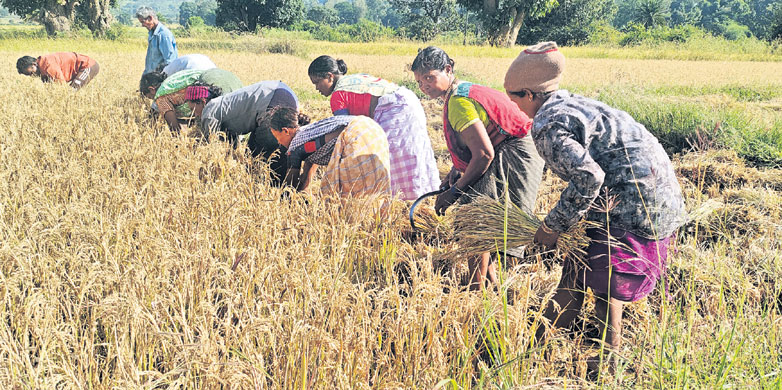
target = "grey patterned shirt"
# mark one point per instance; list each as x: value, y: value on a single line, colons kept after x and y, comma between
x: 610, y: 161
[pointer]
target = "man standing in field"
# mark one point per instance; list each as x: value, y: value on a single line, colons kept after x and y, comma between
x: 64, y: 67
x: 162, y: 45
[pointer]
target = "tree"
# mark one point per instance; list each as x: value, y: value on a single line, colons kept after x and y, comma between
x: 502, y: 19
x: 323, y: 15
x: 205, y: 9
x: 570, y: 23
x: 60, y: 15
x: 775, y: 32
x: 348, y: 12
x: 651, y: 13
x: 424, y: 19
x: 248, y: 15
x: 685, y: 12
x: 382, y: 12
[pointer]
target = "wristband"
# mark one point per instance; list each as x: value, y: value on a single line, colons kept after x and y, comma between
x: 455, y: 191
x: 546, y: 229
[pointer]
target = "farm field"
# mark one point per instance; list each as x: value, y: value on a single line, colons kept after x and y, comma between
x: 133, y: 259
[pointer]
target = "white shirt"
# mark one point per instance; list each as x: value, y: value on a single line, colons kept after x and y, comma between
x: 190, y: 61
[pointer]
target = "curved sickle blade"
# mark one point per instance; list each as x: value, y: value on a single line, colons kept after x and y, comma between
x: 417, y: 201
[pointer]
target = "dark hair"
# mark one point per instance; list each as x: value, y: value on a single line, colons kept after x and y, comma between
x: 535, y: 95
x: 280, y: 116
x: 431, y: 58
x: 323, y: 65
x: 25, y: 62
x: 151, y: 79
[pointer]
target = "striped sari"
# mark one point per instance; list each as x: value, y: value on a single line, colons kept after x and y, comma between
x: 360, y: 163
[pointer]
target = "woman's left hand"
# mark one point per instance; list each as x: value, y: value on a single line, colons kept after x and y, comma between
x: 547, y: 239
x: 445, y: 200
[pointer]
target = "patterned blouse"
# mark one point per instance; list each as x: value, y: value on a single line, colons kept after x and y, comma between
x: 607, y: 158
x: 353, y: 93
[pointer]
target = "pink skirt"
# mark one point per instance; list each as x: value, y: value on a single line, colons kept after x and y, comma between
x: 625, y: 266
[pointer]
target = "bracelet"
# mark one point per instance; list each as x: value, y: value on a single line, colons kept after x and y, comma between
x: 545, y: 228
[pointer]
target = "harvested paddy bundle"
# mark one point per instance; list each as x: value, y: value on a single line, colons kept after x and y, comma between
x: 486, y: 225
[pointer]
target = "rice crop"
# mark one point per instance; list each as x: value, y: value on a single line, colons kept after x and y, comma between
x: 133, y: 259
x: 489, y: 225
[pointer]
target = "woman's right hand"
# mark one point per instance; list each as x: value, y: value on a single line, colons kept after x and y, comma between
x: 450, y: 178
x: 173, y: 123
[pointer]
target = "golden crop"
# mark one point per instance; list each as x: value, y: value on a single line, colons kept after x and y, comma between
x: 133, y: 259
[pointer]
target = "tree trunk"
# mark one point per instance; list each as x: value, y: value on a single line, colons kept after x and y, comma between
x: 99, y: 16
x: 507, y: 34
x: 56, y: 17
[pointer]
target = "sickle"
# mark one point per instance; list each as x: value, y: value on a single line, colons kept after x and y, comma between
x: 417, y: 201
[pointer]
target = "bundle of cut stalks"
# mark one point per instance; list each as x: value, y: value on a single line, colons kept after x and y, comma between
x: 428, y: 222
x: 480, y: 226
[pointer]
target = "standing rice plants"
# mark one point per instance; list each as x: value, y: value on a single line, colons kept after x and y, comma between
x: 133, y: 259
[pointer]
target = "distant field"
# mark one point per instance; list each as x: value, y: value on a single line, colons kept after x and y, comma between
x: 133, y: 259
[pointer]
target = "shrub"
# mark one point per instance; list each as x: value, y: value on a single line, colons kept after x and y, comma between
x: 285, y: 46
x: 734, y: 31
x: 117, y: 32
x: 194, y: 22
x: 637, y: 34
x: 604, y: 33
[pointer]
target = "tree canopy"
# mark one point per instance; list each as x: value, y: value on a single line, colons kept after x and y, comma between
x: 424, y: 19
x: 248, y: 15
x: 502, y: 19
x: 205, y: 9
x: 60, y: 15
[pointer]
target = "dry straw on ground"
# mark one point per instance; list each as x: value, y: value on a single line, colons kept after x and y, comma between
x: 133, y: 259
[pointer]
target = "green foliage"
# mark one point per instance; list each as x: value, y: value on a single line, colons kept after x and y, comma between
x: 676, y: 123
x: 363, y: 31
x: 194, y: 22
x: 244, y: 15
x: 637, y: 34
x: 570, y: 23
x: 382, y: 12
x: 59, y: 16
x: 323, y: 15
x: 775, y: 32
x: 117, y: 32
x: 503, y: 19
x: 423, y: 19
x: 686, y: 12
x: 205, y: 9
x: 167, y: 9
x: 348, y: 12
x: 652, y: 13
x: 734, y: 31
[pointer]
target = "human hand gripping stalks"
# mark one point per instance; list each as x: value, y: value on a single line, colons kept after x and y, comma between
x: 480, y: 226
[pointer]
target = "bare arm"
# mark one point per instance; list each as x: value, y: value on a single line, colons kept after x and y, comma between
x: 173, y: 123
x: 293, y: 177
x: 477, y: 140
x: 480, y: 146
x: 308, y: 172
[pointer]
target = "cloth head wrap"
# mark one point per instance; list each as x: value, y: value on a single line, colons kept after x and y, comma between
x: 196, y: 92
x: 538, y: 68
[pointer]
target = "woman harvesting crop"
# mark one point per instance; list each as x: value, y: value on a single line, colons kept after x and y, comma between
x: 239, y: 112
x: 169, y: 91
x: 396, y: 109
x: 618, y: 177
x: 354, y: 150
x: 487, y: 137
